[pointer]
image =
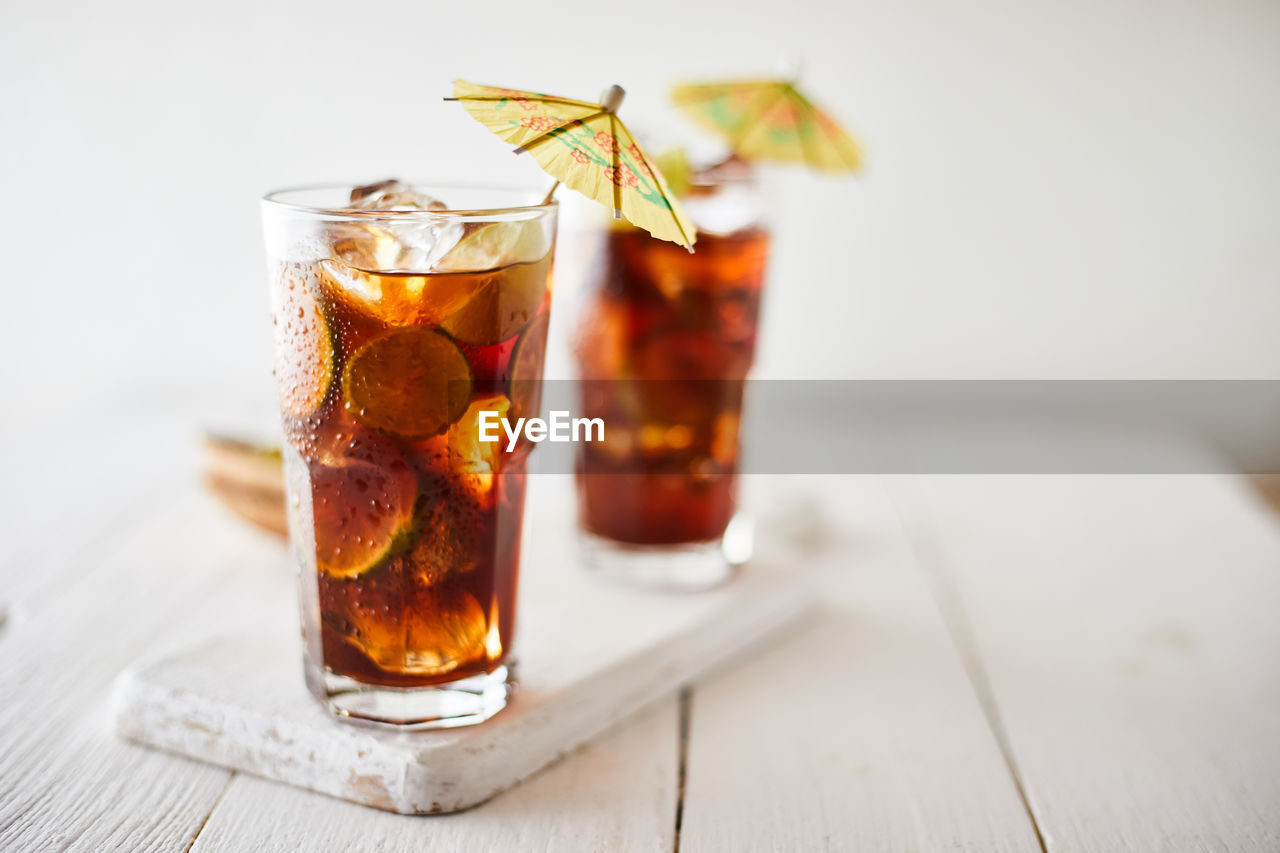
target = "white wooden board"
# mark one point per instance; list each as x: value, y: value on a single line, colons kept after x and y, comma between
x: 589, y: 654
x: 66, y: 782
x: 1127, y: 628
x: 861, y: 733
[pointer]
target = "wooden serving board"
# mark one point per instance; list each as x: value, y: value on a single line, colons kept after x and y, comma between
x: 589, y: 655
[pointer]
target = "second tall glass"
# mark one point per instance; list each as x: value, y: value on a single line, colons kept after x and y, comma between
x: 663, y: 350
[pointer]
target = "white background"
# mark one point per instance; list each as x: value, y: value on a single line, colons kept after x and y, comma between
x: 1063, y: 189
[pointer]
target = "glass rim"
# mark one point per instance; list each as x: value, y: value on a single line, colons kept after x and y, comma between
x: 277, y: 199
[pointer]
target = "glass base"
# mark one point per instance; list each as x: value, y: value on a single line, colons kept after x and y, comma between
x: 464, y: 702
x: 690, y: 567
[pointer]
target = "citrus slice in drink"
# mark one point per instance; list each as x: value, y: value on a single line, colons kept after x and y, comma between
x: 497, y: 244
x: 363, y: 514
x: 412, y: 383
x: 493, y: 305
x: 524, y: 387
x: 304, y: 346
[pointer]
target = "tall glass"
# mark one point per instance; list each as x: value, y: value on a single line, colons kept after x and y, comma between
x: 663, y: 348
x: 394, y: 330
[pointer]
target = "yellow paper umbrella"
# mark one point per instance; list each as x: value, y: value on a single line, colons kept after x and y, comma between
x: 585, y: 146
x: 770, y: 120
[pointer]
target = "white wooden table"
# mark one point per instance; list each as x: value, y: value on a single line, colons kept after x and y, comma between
x: 1002, y: 663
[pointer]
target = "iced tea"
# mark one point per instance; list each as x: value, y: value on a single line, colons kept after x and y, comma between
x: 394, y: 330
x: 663, y: 348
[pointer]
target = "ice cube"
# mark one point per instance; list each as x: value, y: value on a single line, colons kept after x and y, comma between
x: 365, y: 247
x: 407, y: 244
x: 722, y: 198
x: 443, y: 627
x: 423, y: 244
x: 729, y: 208
x: 393, y: 194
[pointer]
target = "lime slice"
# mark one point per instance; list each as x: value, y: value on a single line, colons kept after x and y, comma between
x: 497, y: 304
x: 304, y: 364
x: 363, y: 515
x: 412, y: 382
x: 498, y: 244
x: 523, y: 386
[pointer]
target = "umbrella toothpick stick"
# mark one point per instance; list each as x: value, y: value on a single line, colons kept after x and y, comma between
x: 546, y: 199
x: 609, y: 102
